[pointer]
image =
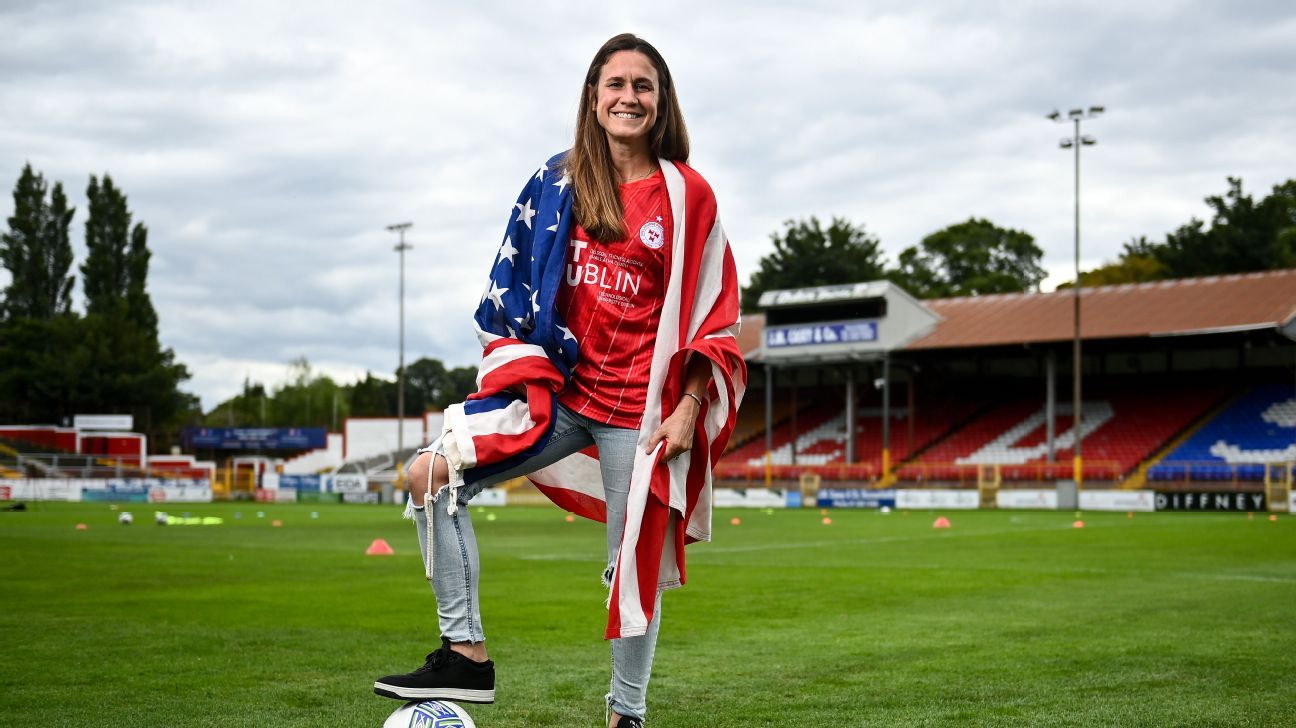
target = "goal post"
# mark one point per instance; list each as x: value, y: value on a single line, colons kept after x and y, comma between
x: 989, y: 478
x: 1278, y: 484
x: 809, y: 489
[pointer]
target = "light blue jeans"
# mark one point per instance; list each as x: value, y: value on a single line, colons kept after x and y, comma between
x: 456, y: 565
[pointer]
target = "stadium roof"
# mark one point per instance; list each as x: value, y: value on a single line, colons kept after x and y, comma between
x: 1184, y: 307
x: 1167, y: 308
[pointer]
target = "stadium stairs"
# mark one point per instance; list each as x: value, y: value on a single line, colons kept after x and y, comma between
x: 1256, y: 430
x: 1139, y: 479
x: 381, y: 468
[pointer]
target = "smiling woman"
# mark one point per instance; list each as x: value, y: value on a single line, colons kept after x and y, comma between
x: 608, y: 326
x: 629, y: 116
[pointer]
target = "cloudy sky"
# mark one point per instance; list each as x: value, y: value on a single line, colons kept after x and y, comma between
x: 266, y: 145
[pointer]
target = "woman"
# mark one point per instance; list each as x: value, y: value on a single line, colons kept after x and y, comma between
x: 612, y: 327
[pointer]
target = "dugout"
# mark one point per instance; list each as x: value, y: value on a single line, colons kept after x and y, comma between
x: 871, y: 347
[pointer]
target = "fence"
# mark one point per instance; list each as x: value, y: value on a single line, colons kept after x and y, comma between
x: 1107, y: 472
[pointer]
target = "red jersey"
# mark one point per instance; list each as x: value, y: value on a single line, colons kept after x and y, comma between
x: 611, y: 299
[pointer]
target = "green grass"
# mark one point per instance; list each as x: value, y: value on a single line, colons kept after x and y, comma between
x: 1005, y: 619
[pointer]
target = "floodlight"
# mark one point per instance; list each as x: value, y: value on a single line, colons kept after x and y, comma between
x: 1055, y: 116
x: 1076, y: 142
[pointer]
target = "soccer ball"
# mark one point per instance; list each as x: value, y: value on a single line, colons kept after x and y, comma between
x: 125, y: 518
x: 430, y: 714
x: 160, y: 518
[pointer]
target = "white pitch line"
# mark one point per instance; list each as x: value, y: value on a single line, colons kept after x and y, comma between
x: 1244, y: 577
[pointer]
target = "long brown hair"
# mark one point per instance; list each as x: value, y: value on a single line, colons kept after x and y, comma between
x: 594, y: 182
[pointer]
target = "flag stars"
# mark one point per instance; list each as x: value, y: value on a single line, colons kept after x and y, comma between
x: 562, y: 183
x: 525, y: 213
x: 557, y: 219
x: 508, y: 251
x: 567, y: 334
x: 496, y: 294
x: 540, y: 172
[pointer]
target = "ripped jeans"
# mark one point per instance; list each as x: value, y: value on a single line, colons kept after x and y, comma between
x: 456, y: 566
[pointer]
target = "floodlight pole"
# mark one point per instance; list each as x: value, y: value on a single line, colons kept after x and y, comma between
x: 400, y: 248
x: 1077, y: 414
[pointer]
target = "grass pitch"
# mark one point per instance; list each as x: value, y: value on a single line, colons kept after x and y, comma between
x: 1008, y: 618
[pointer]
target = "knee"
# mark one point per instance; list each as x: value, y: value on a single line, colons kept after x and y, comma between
x: 417, y: 476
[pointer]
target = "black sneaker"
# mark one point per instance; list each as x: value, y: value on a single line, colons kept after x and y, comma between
x: 624, y: 722
x: 446, y: 675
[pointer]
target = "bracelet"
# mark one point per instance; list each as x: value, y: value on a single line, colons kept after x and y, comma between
x: 694, y: 396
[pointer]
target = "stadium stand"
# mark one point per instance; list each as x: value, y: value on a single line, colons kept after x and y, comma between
x: 821, y: 442
x: 1259, y: 428
x: 1121, y: 430
x: 1159, y: 360
x: 316, y: 461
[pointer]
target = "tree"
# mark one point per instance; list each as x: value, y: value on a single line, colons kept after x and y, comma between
x: 307, y: 399
x: 805, y: 255
x: 425, y: 382
x: 460, y: 382
x: 1137, y: 264
x: 115, y: 271
x: 373, y: 397
x: 37, y: 252
x: 968, y: 259
x: 1243, y: 236
x: 54, y: 363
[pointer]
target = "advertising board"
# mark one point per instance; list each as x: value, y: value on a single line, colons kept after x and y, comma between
x: 855, y: 498
x: 1117, y: 500
x: 350, y: 483
x: 56, y: 489
x: 180, y: 494
x: 841, y: 332
x: 119, y: 493
x: 1044, y: 500
x: 952, y: 499
x: 300, y: 483
x: 255, y: 438
x: 120, y: 423
x: 1220, y: 501
x: 491, y: 497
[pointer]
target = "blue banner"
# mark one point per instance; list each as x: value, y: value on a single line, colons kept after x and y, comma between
x: 127, y: 493
x: 855, y: 498
x: 842, y: 332
x: 300, y: 483
x: 255, y: 438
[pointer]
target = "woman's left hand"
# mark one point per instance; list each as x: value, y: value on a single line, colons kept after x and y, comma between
x: 677, y: 430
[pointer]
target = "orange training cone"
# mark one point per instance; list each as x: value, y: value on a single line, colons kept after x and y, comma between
x: 379, y: 547
x: 1273, y: 516
x: 277, y: 523
x: 570, y: 518
x: 1078, y: 524
x: 827, y: 521
x: 81, y: 527
x: 941, y: 522
x: 735, y: 521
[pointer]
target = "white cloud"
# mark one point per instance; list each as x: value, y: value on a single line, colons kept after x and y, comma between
x: 267, y: 146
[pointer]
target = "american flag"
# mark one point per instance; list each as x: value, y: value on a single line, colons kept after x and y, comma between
x: 528, y: 348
